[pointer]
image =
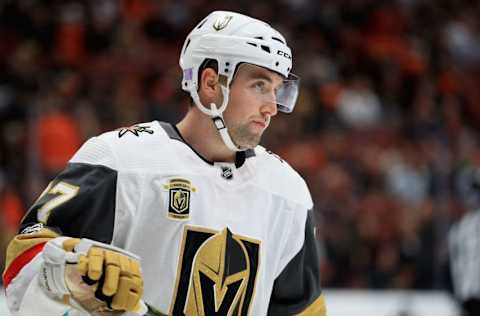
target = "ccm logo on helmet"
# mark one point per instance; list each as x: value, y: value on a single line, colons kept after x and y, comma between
x: 284, y: 54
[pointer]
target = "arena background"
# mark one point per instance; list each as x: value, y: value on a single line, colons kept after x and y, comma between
x: 385, y: 130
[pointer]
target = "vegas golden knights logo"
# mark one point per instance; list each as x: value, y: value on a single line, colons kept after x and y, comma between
x: 216, y: 273
x: 179, y: 198
x: 222, y: 22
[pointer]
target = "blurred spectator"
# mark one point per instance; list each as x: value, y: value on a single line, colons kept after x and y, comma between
x: 58, y: 139
x: 358, y: 106
x: 462, y: 41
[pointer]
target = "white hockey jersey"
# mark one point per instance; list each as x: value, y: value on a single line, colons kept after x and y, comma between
x: 464, y: 255
x: 214, y: 238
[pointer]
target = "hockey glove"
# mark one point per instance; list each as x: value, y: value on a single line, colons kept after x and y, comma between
x: 93, y: 277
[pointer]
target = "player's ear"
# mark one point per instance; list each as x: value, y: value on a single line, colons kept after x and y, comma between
x: 209, y: 83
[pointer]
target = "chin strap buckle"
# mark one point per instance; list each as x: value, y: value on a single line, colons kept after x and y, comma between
x: 219, y: 123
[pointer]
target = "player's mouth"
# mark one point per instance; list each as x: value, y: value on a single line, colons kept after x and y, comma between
x: 261, y: 123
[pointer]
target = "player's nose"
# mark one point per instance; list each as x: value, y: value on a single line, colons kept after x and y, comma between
x: 269, y: 108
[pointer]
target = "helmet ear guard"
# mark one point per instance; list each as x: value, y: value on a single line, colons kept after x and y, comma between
x: 230, y: 39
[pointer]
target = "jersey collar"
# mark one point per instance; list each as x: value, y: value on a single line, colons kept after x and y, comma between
x: 173, y: 132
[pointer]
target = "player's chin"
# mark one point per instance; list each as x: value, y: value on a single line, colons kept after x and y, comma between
x: 254, y: 141
x: 255, y: 133
x: 250, y: 142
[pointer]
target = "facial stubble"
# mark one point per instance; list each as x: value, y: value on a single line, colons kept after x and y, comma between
x: 243, y: 137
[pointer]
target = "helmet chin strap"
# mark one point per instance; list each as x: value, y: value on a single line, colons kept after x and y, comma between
x: 222, y: 128
x: 216, y: 114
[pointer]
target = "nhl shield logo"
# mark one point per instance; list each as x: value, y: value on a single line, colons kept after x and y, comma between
x: 179, y: 192
x: 222, y: 22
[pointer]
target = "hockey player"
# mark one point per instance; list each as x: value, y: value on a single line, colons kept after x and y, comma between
x: 464, y: 243
x: 187, y: 219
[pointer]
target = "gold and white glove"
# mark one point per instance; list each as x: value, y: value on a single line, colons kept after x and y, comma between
x: 93, y: 277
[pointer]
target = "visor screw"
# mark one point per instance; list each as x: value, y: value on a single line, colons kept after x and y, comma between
x: 227, y: 64
x: 277, y: 63
x: 226, y: 69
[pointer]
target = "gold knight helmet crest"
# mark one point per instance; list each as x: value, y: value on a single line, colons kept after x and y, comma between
x: 219, y: 277
x: 222, y: 22
x: 216, y: 274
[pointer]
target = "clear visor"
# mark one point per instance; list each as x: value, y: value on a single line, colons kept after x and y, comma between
x: 282, y: 92
x: 286, y: 95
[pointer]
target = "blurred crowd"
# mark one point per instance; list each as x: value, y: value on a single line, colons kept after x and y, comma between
x: 385, y: 131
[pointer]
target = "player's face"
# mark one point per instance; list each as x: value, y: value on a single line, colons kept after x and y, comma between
x: 251, y: 104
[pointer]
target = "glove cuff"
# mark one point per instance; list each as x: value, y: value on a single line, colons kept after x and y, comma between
x: 52, y: 273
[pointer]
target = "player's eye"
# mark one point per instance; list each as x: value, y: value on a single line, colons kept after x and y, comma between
x: 260, y: 87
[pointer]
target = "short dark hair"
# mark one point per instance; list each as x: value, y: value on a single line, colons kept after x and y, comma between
x: 207, y: 63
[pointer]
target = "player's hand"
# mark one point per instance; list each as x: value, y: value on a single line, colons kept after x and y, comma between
x: 114, y: 277
x: 94, y: 277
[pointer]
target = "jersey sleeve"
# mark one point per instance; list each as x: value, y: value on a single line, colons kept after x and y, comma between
x: 296, y: 290
x: 79, y: 202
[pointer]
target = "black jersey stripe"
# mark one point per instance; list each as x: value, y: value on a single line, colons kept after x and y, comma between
x: 298, y: 285
x: 90, y: 213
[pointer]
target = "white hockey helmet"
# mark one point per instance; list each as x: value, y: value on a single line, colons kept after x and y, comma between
x: 231, y: 38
